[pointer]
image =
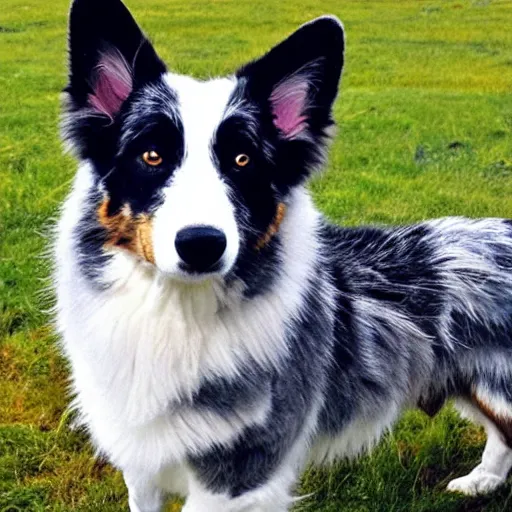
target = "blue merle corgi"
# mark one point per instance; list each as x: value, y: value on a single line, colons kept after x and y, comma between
x: 222, y: 334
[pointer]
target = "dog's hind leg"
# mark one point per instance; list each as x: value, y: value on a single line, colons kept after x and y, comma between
x: 496, y: 417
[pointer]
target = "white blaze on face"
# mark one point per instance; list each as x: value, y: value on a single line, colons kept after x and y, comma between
x: 196, y: 196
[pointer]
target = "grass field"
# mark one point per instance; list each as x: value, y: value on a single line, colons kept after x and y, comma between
x: 425, y: 130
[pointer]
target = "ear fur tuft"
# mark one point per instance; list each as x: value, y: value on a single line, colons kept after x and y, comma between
x: 109, y: 58
x: 290, y: 101
x: 112, y: 83
x: 298, y: 79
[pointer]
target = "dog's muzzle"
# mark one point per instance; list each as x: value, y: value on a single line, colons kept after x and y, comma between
x: 200, y: 248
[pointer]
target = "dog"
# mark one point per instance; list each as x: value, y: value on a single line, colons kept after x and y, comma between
x: 221, y: 333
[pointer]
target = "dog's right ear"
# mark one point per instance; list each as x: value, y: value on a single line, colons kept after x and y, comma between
x: 109, y: 56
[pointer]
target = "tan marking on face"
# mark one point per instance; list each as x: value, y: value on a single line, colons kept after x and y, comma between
x: 127, y: 231
x: 273, y: 228
x: 503, y: 424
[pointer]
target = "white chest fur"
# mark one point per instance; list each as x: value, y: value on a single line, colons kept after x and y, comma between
x: 144, y: 344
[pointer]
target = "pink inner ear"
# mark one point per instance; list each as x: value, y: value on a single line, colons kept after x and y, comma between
x: 113, y: 84
x: 289, y: 103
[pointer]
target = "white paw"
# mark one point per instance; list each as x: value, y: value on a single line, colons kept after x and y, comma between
x: 479, y: 481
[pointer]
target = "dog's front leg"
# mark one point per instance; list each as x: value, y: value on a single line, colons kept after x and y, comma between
x: 254, y: 475
x: 143, y: 493
x: 272, y: 496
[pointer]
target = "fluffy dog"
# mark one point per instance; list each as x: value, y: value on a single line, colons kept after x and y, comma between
x: 221, y: 333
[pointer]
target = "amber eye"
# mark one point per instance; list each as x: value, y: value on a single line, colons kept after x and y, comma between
x: 152, y: 158
x: 242, y: 160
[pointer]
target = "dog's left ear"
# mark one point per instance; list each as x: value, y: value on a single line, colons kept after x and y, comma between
x: 297, y: 81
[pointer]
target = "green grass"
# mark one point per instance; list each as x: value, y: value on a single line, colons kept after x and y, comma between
x: 425, y: 130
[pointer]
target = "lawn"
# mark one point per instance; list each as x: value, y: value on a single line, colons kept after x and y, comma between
x: 425, y: 119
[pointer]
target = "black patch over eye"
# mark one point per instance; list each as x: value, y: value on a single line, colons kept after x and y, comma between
x: 157, y: 146
x: 237, y: 146
x: 243, y: 161
x: 150, y: 152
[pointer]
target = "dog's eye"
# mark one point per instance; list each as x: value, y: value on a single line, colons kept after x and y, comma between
x: 152, y: 158
x: 242, y: 160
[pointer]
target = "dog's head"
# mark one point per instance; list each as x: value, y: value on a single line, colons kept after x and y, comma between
x: 194, y: 176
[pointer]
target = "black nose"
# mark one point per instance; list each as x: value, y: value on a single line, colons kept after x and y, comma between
x: 200, y: 247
